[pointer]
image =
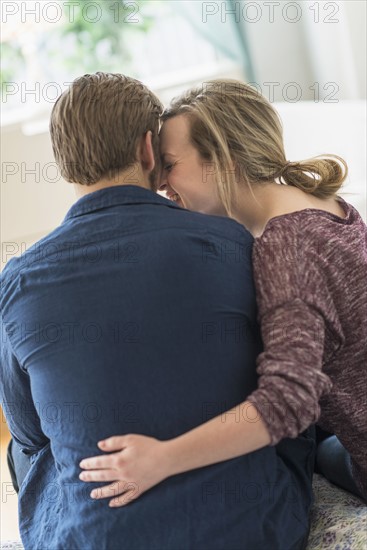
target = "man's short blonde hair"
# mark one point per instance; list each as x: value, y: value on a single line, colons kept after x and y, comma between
x: 96, y: 125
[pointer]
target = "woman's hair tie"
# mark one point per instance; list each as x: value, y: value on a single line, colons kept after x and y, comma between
x: 283, y: 169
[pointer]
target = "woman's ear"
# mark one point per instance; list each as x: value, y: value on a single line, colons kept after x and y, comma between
x: 146, y: 152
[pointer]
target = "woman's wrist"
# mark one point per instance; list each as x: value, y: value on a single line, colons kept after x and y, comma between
x: 221, y: 438
x: 168, y: 457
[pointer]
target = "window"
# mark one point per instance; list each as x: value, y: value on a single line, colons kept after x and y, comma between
x: 48, y: 44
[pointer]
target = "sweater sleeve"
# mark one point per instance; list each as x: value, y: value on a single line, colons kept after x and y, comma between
x: 296, y: 316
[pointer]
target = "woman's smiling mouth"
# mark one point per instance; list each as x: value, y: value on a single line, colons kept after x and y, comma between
x: 175, y: 197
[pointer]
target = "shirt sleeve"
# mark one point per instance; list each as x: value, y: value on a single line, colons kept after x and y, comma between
x: 296, y: 316
x: 16, y: 398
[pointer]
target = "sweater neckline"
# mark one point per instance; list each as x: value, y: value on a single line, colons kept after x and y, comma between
x: 347, y: 220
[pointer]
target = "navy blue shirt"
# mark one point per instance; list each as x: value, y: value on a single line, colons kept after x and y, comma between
x: 138, y: 316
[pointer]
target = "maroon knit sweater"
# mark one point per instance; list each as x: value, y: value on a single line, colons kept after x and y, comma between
x: 310, y: 270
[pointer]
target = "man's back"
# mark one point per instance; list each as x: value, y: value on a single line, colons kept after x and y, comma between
x: 136, y: 316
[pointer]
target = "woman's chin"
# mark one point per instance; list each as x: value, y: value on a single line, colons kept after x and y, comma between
x: 179, y: 202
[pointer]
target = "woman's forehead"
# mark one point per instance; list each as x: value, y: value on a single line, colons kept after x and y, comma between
x: 175, y: 130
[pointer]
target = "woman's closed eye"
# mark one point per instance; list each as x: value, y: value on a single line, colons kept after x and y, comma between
x: 168, y: 167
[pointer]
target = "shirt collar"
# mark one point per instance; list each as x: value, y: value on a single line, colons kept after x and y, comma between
x: 116, y: 195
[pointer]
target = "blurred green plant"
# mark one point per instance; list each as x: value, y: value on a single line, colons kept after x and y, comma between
x: 102, y: 44
x: 12, y: 60
x: 93, y: 36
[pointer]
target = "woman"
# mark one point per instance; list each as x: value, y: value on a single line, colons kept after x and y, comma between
x: 222, y: 152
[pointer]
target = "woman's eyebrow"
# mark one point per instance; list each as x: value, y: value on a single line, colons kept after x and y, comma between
x: 164, y: 154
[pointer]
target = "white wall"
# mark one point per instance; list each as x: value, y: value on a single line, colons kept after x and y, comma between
x: 30, y: 205
x: 279, y: 50
x: 356, y: 12
x: 326, y: 43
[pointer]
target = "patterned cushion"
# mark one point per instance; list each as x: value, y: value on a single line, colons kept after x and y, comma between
x: 338, y: 520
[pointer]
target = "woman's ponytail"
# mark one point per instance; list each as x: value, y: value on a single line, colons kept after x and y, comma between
x: 320, y: 176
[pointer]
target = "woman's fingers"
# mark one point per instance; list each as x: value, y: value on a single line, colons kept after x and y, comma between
x: 97, y: 462
x: 123, y: 499
x: 100, y: 462
x: 119, y: 491
x: 114, y: 443
x: 98, y: 475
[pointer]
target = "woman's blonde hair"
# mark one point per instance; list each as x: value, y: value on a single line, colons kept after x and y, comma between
x: 238, y: 132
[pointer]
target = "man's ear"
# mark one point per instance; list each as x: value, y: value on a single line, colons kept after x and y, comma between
x: 146, y: 152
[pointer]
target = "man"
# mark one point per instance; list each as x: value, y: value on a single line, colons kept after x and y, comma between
x: 136, y: 315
